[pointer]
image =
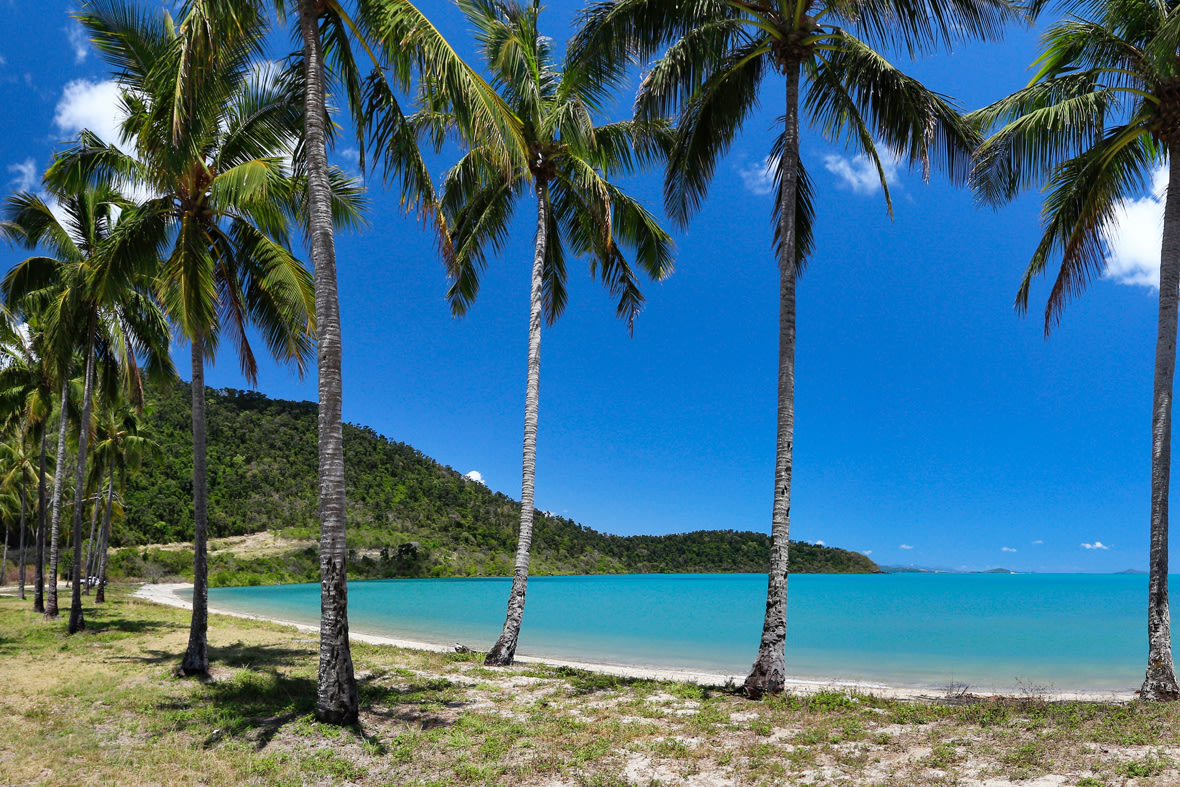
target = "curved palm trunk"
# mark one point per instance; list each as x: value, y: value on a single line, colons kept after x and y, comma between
x: 196, y: 657
x: 100, y: 595
x: 90, y: 542
x: 336, y: 694
x: 39, y: 570
x: 1160, y: 681
x: 77, y: 622
x: 770, y: 667
x: 23, y: 506
x: 51, y: 602
x: 504, y: 651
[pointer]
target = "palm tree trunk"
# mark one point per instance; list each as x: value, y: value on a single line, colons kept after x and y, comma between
x: 504, y: 651
x: 90, y: 543
x: 51, y: 603
x: 1160, y: 681
x: 100, y: 595
x: 770, y: 667
x: 77, y: 622
x: 336, y: 694
x: 23, y: 507
x: 4, y: 563
x: 39, y: 571
x: 196, y: 657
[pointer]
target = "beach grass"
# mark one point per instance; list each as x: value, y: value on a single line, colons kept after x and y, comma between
x: 103, y: 706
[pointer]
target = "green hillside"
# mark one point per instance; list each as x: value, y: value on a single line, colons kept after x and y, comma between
x: 407, y: 514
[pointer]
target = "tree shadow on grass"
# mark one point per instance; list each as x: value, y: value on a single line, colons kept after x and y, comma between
x: 110, y: 621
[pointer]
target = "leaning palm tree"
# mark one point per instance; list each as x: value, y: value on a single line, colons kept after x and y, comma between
x: 214, y: 154
x: 93, y: 294
x: 720, y: 54
x: 1102, y: 111
x: 18, y: 466
x: 568, y: 160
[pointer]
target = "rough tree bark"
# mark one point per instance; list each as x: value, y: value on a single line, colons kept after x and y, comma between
x: 77, y: 620
x: 504, y: 651
x: 51, y: 601
x: 768, y: 673
x: 1160, y: 680
x: 39, y: 569
x: 337, y: 701
x: 196, y: 656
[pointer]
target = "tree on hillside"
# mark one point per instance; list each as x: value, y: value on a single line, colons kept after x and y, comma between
x: 566, y: 166
x: 213, y: 152
x: 1101, y: 113
x: 716, y: 56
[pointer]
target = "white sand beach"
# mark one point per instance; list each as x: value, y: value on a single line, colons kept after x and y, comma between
x: 167, y: 594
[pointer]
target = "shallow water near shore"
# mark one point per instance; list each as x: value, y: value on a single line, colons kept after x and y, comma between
x: 1001, y: 632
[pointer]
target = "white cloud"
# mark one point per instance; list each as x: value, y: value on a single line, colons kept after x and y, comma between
x: 1133, y: 238
x: 78, y: 42
x: 820, y: 544
x: 859, y: 173
x: 867, y: 552
x: 758, y: 178
x: 1007, y: 549
x: 905, y: 546
x: 26, y: 174
x: 3, y: 61
x: 1038, y: 541
x: 475, y: 476
x: 1096, y: 545
x: 90, y: 105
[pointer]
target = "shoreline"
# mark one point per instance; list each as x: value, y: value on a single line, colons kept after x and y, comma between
x: 165, y: 594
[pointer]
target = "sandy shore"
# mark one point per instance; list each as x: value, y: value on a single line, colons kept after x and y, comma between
x: 165, y: 593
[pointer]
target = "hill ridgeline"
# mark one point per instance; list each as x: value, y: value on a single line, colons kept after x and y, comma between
x: 408, y: 516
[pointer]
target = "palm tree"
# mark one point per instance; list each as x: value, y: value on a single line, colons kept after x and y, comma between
x: 720, y: 53
x: 214, y: 152
x: 120, y: 448
x: 19, y: 474
x: 1102, y: 111
x: 94, y: 289
x: 566, y: 162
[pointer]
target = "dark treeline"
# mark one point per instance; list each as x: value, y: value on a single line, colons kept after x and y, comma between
x: 408, y: 515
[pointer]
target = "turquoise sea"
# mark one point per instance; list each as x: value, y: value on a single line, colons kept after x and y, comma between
x: 991, y: 631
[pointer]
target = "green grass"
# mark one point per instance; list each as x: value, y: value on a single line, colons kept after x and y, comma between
x: 103, y: 706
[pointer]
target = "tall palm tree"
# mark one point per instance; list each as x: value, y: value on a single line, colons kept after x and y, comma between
x: 716, y: 55
x: 1101, y: 113
x: 401, y: 42
x: 94, y: 294
x: 566, y: 166
x: 214, y: 153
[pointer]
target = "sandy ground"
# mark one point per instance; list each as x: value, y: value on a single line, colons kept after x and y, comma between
x: 165, y: 593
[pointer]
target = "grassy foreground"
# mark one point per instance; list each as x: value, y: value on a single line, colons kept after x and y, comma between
x: 102, y: 707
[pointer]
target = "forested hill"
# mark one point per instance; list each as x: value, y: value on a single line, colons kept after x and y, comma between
x: 407, y: 514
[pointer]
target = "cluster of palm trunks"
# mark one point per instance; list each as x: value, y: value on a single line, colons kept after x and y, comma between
x: 211, y: 134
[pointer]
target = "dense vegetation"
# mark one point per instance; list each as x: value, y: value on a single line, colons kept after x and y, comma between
x: 407, y: 514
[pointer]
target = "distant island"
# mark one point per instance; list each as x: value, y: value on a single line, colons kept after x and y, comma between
x: 408, y: 515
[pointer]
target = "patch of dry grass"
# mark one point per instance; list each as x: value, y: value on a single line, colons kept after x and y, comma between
x: 103, y: 707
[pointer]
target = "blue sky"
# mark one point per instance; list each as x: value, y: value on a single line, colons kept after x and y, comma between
x: 933, y: 426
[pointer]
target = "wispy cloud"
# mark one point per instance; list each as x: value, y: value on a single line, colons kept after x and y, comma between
x: 78, y: 42
x: 867, y: 552
x: 1007, y: 549
x: 859, y: 173
x: 758, y: 177
x: 1095, y: 545
x: 1039, y: 541
x: 26, y: 174
x: 1133, y: 238
x: 905, y: 546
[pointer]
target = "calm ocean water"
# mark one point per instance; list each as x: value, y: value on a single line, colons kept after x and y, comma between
x: 991, y: 631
